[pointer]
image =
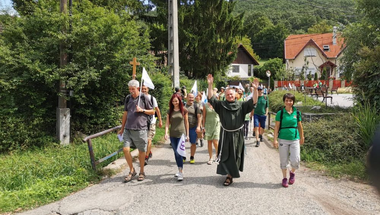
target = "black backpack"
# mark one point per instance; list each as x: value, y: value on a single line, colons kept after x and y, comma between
x: 281, y: 116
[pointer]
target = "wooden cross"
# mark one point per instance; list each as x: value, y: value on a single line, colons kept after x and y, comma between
x: 134, y: 63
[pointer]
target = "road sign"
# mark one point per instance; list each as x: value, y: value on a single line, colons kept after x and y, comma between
x: 268, y: 73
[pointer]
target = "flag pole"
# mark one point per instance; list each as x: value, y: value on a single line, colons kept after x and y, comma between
x: 138, y: 101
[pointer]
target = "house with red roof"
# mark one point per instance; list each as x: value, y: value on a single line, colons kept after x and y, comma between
x: 315, y: 53
x: 243, y: 65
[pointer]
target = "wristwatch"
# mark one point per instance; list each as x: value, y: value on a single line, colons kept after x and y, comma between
x: 143, y: 110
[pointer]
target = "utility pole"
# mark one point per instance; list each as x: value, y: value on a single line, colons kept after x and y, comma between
x: 173, y: 58
x: 63, y: 113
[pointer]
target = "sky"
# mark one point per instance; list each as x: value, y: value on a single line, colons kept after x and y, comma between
x: 6, y: 5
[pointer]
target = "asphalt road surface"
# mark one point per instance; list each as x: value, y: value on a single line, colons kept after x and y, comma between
x: 257, y: 191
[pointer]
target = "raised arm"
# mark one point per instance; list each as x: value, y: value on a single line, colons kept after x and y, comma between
x: 255, y: 85
x: 210, y: 81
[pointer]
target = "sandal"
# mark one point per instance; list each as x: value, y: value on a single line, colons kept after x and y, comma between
x: 141, y: 176
x: 228, y: 181
x: 129, y: 177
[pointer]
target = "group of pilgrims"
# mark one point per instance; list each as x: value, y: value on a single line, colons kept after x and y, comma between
x: 222, y: 121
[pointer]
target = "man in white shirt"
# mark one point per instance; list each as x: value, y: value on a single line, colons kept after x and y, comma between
x: 152, y: 127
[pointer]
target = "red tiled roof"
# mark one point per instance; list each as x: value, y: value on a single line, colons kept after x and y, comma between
x: 294, y: 44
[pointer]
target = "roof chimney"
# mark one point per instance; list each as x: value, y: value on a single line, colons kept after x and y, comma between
x: 334, y: 35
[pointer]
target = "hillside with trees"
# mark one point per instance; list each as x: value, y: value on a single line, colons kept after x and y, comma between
x: 267, y: 23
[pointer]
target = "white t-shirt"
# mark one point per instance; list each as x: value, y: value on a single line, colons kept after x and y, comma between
x: 153, y: 121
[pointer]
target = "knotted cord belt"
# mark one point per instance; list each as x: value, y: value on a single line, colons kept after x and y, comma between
x: 218, y: 159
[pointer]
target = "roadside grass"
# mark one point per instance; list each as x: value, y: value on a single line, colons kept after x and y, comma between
x: 43, y: 175
x: 354, y: 170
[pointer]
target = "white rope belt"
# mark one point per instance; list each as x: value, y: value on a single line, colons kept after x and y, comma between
x: 222, y: 141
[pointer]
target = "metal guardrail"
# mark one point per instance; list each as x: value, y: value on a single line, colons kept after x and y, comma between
x: 90, y: 148
x: 269, y: 120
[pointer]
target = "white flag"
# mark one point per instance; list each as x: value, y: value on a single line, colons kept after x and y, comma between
x: 241, y: 86
x: 181, y: 149
x: 194, y: 90
x: 147, y: 81
x: 204, y: 97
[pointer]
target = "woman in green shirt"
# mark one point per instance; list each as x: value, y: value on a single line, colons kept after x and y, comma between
x: 289, y: 132
x: 179, y: 124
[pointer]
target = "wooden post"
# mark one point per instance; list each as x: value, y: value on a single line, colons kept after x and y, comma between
x: 134, y: 63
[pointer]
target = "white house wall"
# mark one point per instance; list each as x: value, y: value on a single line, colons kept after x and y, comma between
x: 243, y: 71
x: 314, y: 62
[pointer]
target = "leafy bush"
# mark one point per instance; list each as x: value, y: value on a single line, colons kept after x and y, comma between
x: 100, y: 45
x: 332, y: 139
x: 276, y: 103
x: 366, y: 119
x: 19, y: 133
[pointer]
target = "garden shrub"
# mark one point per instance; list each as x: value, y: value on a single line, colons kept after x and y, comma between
x: 276, y: 103
x: 332, y: 139
x: 20, y: 133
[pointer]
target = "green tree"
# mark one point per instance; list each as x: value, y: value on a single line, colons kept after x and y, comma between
x: 270, y: 41
x: 100, y: 45
x: 320, y: 28
x: 207, y: 31
x: 361, y: 58
x: 254, y: 23
x: 277, y: 69
x: 246, y: 42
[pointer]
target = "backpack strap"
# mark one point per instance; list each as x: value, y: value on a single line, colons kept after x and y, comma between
x: 281, y: 116
x: 127, y: 99
x: 195, y: 109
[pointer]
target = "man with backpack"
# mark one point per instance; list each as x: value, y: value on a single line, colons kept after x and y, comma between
x: 134, y: 127
x: 260, y: 115
x: 152, y: 124
x: 195, y: 119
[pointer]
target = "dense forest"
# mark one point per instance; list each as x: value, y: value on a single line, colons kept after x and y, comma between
x: 299, y: 15
x: 267, y: 23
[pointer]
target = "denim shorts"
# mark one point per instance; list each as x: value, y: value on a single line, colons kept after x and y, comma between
x: 259, y: 119
x: 193, y: 135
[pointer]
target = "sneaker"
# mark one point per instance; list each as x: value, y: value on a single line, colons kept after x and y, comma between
x: 257, y: 143
x: 285, y: 182
x: 177, y: 174
x: 209, y: 162
x: 180, y: 176
x: 184, y: 159
x: 150, y: 154
x: 261, y: 138
x: 292, y: 178
x: 192, y: 161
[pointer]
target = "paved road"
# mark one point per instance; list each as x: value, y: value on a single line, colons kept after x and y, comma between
x: 258, y: 191
x: 341, y: 100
